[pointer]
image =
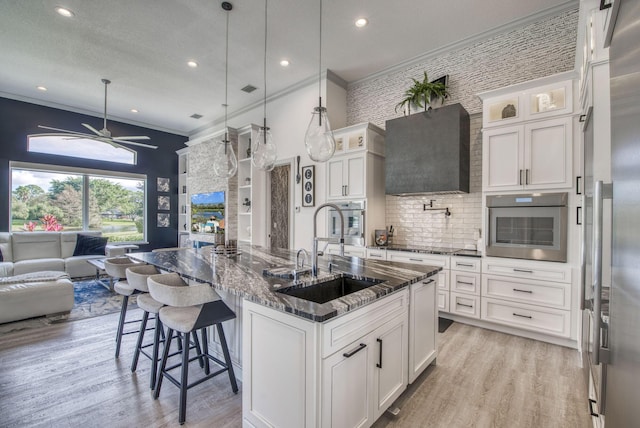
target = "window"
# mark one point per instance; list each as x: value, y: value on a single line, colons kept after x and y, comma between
x: 78, y: 147
x: 45, y: 197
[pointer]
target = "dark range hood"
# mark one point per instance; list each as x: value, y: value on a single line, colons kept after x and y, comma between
x: 428, y: 152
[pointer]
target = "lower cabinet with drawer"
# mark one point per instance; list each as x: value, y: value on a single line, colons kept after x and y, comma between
x: 465, y: 286
x: 534, y: 296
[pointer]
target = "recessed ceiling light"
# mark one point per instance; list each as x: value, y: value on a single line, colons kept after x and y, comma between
x: 285, y: 63
x: 63, y: 11
x: 361, y: 22
x: 41, y: 88
x: 192, y: 64
x: 133, y: 110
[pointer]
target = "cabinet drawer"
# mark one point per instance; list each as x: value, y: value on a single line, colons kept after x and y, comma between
x: 465, y: 304
x: 469, y: 264
x: 346, y: 329
x: 550, y: 321
x: 545, y: 293
x: 465, y: 282
x: 425, y: 259
x: 533, y: 270
x: 349, y: 250
x: 443, y: 301
x: 377, y: 254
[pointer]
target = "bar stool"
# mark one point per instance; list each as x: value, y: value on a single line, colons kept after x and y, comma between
x: 188, y: 310
x: 137, y: 278
x: 117, y: 269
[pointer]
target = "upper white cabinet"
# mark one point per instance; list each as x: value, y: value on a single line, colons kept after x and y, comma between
x: 355, y: 170
x: 528, y: 138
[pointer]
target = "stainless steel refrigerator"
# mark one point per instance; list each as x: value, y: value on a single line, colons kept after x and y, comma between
x: 611, y: 322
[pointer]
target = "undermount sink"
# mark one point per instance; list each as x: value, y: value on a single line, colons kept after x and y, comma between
x: 329, y: 289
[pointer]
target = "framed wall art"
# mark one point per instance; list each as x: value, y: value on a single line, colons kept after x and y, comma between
x: 163, y: 184
x: 308, y: 186
x: 164, y: 203
x: 164, y: 220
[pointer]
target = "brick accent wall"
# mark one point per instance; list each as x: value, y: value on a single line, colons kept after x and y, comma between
x: 537, y: 50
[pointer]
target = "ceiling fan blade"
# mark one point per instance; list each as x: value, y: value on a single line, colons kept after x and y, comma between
x: 66, y: 131
x: 92, y: 129
x: 134, y: 137
x: 149, y: 146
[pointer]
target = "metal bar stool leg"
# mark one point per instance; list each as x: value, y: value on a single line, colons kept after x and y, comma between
x: 154, y: 356
x: 123, y: 314
x: 182, y: 415
x: 205, y: 349
x: 227, y: 358
x: 136, y: 353
x: 196, y: 342
x: 163, y: 364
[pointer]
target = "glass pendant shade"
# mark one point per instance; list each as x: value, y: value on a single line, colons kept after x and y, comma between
x: 225, y: 163
x: 263, y: 152
x: 319, y: 138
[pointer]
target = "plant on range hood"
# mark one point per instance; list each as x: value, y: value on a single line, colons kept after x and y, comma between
x: 422, y: 93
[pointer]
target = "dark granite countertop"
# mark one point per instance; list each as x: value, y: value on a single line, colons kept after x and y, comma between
x: 242, y: 275
x: 446, y: 251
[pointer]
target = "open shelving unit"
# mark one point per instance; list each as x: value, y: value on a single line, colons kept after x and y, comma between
x: 251, y: 191
x: 183, y: 194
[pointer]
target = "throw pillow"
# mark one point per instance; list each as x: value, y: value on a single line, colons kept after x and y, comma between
x: 1, y: 258
x: 87, y: 245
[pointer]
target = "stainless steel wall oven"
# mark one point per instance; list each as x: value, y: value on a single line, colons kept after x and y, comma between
x: 527, y: 226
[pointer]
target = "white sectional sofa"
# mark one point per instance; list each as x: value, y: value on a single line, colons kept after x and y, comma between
x: 28, y: 252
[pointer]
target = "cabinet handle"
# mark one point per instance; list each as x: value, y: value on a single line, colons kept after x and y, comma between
x: 417, y: 260
x: 579, y: 216
x: 428, y: 282
x: 465, y: 305
x: 520, y: 178
x: 578, y: 183
x: 604, y: 5
x: 591, y: 403
x: 379, y: 365
x: 375, y: 255
x: 522, y: 316
x: 523, y: 291
x: 522, y: 270
x: 355, y: 351
x: 464, y: 264
x: 526, y: 176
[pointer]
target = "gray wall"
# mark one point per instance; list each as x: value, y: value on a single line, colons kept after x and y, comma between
x: 537, y: 50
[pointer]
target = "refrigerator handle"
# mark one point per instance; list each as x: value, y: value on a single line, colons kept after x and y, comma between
x: 601, y: 192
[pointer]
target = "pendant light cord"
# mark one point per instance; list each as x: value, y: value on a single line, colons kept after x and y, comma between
x: 265, y: 70
x: 320, y: 70
x: 226, y: 85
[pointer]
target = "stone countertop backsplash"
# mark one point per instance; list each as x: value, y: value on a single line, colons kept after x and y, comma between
x: 242, y: 275
x: 429, y: 250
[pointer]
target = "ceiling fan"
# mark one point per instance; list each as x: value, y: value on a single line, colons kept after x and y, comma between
x: 104, y: 134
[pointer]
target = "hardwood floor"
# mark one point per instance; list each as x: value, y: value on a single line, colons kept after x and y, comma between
x: 65, y: 375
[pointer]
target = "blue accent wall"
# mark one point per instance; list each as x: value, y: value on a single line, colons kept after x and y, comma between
x: 19, y: 119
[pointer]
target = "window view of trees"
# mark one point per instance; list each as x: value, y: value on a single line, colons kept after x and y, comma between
x: 116, y: 205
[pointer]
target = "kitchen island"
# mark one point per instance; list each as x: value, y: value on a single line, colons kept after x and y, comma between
x: 339, y: 363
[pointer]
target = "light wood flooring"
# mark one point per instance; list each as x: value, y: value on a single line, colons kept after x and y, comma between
x: 65, y: 375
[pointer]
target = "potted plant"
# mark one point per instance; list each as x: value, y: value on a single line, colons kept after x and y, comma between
x: 423, y: 93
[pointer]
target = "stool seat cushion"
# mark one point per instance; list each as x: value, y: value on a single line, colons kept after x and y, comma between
x: 190, y: 318
x: 117, y: 267
x: 148, y: 303
x: 137, y: 276
x: 169, y: 289
x: 124, y: 288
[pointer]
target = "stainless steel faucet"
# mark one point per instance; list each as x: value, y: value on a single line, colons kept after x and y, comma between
x: 314, y: 255
x: 305, y: 256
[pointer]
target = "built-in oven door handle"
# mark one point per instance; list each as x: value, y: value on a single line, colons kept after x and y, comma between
x: 520, y: 178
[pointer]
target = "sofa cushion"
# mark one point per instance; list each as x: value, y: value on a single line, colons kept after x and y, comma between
x: 6, y: 269
x: 78, y: 267
x: 68, y: 241
x: 36, y: 245
x: 37, y: 265
x: 5, y: 247
x: 87, y: 245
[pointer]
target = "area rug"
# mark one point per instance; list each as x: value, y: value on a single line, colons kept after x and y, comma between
x: 92, y: 299
x: 443, y: 324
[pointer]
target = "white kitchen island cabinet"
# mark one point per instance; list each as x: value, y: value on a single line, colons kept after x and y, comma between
x: 342, y: 373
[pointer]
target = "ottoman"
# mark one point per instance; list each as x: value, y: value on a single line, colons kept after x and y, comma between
x: 35, y: 294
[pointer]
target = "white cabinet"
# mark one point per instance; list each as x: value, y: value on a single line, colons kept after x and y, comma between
x: 465, y: 286
x: 527, y: 141
x: 377, y: 253
x: 184, y: 219
x: 533, y: 296
x: 430, y: 260
x: 346, y: 178
x: 534, y: 156
x: 349, y: 250
x: 423, y: 314
x: 342, y: 373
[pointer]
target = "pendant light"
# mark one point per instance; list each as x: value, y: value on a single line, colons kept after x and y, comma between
x: 264, y: 152
x: 319, y: 138
x: 226, y: 163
